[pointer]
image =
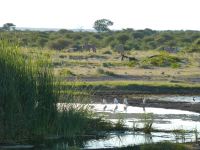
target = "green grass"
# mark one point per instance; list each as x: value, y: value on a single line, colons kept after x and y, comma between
x: 164, y: 146
x: 28, y: 99
x: 139, y: 87
x: 104, y: 72
x: 127, y: 83
x: 29, y: 94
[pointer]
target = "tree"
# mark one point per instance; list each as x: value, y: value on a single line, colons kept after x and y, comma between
x: 102, y: 25
x: 122, y: 38
x: 8, y: 26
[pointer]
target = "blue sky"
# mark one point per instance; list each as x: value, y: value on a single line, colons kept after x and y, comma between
x: 71, y: 14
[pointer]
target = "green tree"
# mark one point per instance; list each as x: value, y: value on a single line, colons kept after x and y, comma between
x: 102, y: 25
x: 122, y: 38
x: 8, y: 26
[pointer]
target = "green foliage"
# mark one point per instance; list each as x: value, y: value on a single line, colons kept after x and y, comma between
x: 120, y: 124
x: 163, y: 146
x: 66, y: 72
x: 179, y: 134
x: 122, y: 38
x: 8, y: 27
x: 28, y: 100
x: 157, y: 146
x: 162, y: 60
x: 107, y: 64
x: 131, y: 39
x: 195, y: 47
x: 148, y: 122
x: 131, y: 63
x: 59, y: 44
x: 72, y: 120
x: 107, y: 52
x: 103, y: 72
x: 100, y: 71
x: 102, y: 25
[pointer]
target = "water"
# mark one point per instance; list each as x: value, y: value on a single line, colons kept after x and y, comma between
x: 130, y: 138
x: 177, y: 98
x: 136, y: 110
x: 163, y: 120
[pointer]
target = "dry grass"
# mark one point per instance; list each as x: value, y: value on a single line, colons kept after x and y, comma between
x: 86, y: 63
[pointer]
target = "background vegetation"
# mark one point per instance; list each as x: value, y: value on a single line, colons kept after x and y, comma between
x: 131, y: 39
x: 29, y: 97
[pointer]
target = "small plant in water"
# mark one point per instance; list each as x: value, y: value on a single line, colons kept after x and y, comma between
x: 148, y: 122
x: 120, y: 124
x: 179, y: 135
x: 196, y: 134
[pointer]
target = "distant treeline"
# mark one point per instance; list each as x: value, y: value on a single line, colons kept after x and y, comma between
x: 131, y: 39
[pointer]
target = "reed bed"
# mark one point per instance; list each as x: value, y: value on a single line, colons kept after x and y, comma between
x: 28, y: 101
x: 27, y: 95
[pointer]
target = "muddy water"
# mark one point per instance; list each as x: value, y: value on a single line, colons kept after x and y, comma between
x: 133, y: 138
x: 190, y: 99
x: 164, y: 120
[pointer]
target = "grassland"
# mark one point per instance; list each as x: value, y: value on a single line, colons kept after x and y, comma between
x: 154, y: 71
x: 86, y: 63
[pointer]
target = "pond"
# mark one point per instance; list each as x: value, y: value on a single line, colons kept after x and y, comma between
x: 178, y: 98
x: 164, y: 121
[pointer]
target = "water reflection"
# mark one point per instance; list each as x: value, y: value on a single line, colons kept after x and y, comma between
x: 164, y: 119
x: 172, y: 98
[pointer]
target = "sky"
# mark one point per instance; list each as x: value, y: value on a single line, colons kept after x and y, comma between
x: 81, y: 14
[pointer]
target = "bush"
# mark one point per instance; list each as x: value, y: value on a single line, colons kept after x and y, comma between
x: 101, y: 71
x: 107, y: 52
x: 131, y: 63
x: 195, y: 47
x: 107, y: 64
x: 66, y: 72
x: 162, y: 60
x: 59, y: 44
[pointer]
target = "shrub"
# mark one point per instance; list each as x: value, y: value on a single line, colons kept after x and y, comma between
x: 107, y: 52
x: 107, y: 64
x: 148, y: 122
x: 103, y: 72
x: 100, y: 71
x: 59, y: 44
x: 162, y: 60
x: 131, y: 63
x: 66, y: 72
x: 175, y: 65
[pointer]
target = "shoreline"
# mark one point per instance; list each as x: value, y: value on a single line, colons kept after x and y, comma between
x: 188, y: 106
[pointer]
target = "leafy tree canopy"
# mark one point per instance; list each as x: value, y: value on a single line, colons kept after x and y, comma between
x: 102, y: 25
x: 8, y: 26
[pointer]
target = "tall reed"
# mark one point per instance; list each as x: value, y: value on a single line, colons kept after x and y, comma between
x: 27, y: 95
x: 28, y: 101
